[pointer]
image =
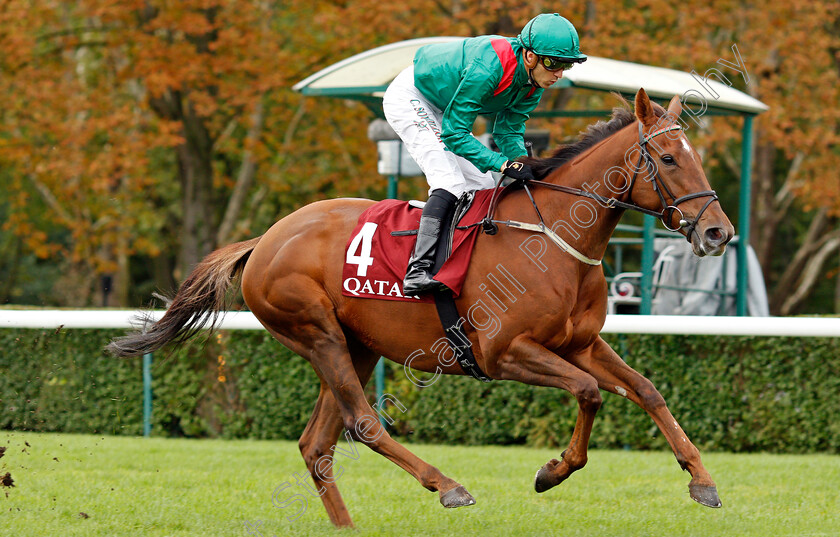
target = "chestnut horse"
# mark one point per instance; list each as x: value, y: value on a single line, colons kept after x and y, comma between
x: 548, y: 327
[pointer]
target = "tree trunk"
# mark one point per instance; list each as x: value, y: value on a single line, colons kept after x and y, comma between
x: 12, y: 261
x: 764, y: 219
x: 802, y: 271
x: 837, y: 288
x: 195, y: 162
x: 162, y: 272
x: 245, y: 178
x: 811, y: 274
x: 122, y: 282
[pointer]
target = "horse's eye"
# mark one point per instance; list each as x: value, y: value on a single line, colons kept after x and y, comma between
x: 668, y: 159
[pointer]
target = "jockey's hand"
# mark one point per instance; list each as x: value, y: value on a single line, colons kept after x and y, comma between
x: 517, y: 170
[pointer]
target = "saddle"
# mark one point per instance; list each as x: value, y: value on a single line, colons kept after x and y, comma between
x: 380, y: 245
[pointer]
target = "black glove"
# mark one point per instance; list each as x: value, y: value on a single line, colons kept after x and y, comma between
x: 517, y: 170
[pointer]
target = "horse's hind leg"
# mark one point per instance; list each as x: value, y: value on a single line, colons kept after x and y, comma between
x: 316, y: 334
x: 362, y: 424
x: 617, y: 377
x: 318, y: 441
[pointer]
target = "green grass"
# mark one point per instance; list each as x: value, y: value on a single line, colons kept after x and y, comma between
x: 169, y: 487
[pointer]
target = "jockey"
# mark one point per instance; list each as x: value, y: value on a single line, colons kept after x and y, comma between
x: 433, y: 104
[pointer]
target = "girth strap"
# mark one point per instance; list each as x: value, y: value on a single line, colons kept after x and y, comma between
x: 453, y: 327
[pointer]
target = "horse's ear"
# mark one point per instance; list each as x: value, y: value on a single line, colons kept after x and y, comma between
x: 644, y: 110
x: 675, y: 106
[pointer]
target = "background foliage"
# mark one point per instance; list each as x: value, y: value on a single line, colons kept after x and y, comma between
x: 737, y: 394
x: 137, y: 136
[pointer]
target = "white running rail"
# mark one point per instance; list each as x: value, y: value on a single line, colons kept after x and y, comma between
x: 616, y: 324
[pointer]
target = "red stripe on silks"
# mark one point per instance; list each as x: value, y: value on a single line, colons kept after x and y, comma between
x: 505, y: 53
x: 533, y: 89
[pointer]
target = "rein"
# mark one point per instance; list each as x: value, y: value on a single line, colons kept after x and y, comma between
x: 490, y: 226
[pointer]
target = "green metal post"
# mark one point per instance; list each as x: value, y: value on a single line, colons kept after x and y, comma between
x: 744, y: 216
x: 380, y: 385
x: 392, y: 187
x: 147, y: 394
x: 647, y: 264
x: 379, y: 372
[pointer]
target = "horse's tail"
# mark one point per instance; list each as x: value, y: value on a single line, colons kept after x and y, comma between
x: 198, y: 302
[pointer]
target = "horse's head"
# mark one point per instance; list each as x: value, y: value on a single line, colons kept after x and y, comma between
x: 670, y: 178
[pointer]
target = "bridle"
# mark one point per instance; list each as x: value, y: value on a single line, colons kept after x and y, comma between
x: 665, y: 215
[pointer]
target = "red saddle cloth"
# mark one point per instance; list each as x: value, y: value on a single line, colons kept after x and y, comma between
x: 375, y: 261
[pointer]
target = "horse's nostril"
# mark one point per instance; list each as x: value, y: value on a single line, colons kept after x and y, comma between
x: 714, y: 235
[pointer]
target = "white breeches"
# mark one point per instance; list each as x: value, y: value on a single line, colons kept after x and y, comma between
x: 417, y: 122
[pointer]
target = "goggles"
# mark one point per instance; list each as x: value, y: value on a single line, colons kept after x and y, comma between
x: 555, y: 64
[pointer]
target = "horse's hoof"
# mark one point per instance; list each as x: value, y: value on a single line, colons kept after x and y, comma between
x: 542, y: 481
x: 457, y: 497
x: 545, y: 479
x: 705, y: 495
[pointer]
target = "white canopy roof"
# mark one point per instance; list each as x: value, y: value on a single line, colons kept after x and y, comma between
x: 369, y: 73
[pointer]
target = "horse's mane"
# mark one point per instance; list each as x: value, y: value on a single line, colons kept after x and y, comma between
x: 621, y: 117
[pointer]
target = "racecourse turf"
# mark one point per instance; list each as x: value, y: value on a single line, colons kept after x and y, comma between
x: 67, y: 485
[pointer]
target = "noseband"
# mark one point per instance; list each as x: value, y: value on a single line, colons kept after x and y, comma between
x: 667, y: 213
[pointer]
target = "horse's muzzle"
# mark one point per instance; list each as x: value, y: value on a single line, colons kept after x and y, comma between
x: 711, y: 239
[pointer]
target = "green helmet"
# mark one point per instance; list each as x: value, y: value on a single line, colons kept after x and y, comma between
x: 550, y: 34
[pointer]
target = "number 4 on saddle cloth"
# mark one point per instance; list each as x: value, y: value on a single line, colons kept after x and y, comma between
x: 382, y: 242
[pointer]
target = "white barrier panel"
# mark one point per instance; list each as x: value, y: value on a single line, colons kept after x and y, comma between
x: 233, y: 320
x: 69, y: 318
x: 723, y: 326
x: 616, y: 324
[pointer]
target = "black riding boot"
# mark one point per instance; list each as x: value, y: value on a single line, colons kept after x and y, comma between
x: 418, y: 278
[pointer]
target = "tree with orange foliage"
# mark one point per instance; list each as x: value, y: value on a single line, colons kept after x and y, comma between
x: 121, y: 108
x: 155, y: 131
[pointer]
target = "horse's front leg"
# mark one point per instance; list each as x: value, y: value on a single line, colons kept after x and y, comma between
x: 615, y: 376
x: 529, y: 362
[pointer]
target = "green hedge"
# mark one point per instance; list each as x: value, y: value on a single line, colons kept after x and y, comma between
x: 729, y: 393
x: 63, y: 381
